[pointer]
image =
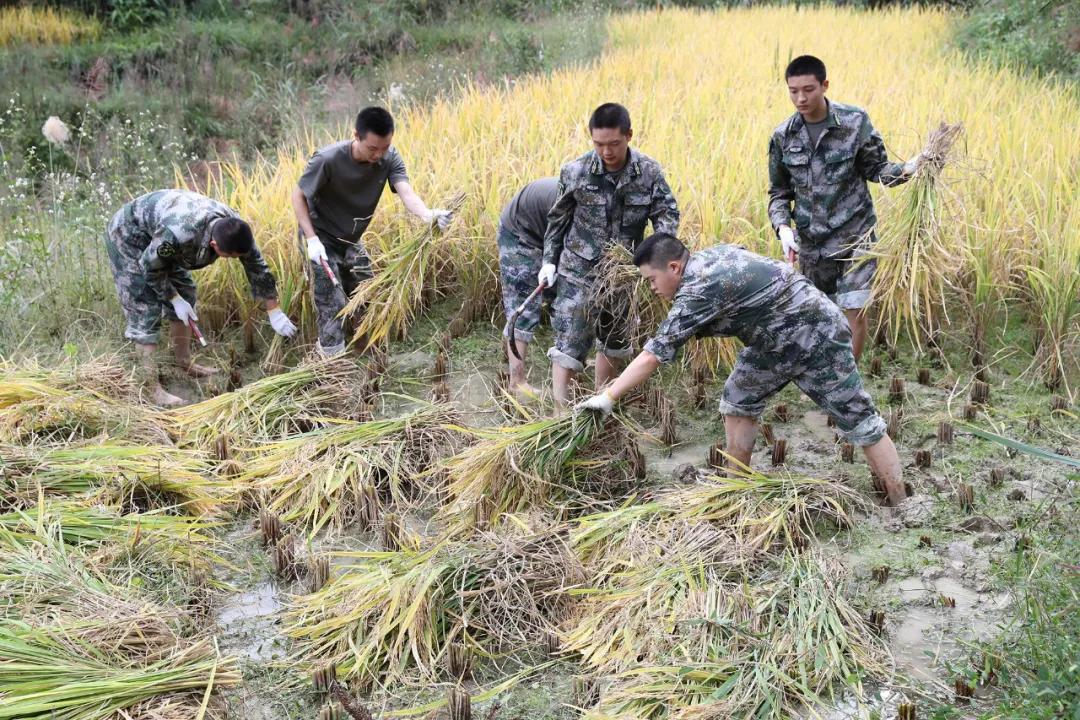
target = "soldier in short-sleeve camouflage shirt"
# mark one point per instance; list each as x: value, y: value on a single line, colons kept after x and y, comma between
x: 820, y: 161
x: 791, y: 331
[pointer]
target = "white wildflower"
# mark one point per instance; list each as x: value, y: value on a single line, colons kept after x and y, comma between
x: 55, y: 131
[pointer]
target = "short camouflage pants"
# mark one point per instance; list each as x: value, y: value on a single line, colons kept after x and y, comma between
x: 351, y: 265
x: 519, y: 264
x: 844, y: 275
x: 577, y: 326
x: 142, y: 307
x: 815, y: 354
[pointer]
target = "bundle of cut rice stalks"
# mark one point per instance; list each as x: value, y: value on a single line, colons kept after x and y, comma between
x: 920, y: 247
x: 406, y: 270
x: 180, y: 539
x: 58, y: 404
x: 769, y: 647
x: 390, y: 616
x: 111, y: 473
x: 275, y: 406
x: 621, y: 301
x: 758, y: 513
x: 337, y: 474
x: 576, y: 459
x: 50, y: 673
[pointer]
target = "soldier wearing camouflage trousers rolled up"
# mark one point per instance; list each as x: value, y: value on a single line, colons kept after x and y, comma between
x: 520, y: 238
x: 153, y: 242
x: 820, y: 160
x: 792, y: 334
x: 334, y: 202
x: 605, y: 198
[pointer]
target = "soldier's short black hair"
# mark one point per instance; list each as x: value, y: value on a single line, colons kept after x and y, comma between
x: 233, y: 236
x: 610, y: 115
x: 658, y: 250
x: 374, y: 119
x: 806, y: 65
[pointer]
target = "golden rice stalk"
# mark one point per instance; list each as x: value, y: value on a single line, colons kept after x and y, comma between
x: 919, y: 251
x: 760, y: 513
x: 768, y: 648
x: 273, y: 407
x: 389, y: 613
x: 73, y: 401
x: 1054, y: 289
x: 574, y: 458
x: 179, y: 539
x: 44, y: 26
x: 388, y: 303
x: 621, y: 301
x: 325, y: 477
x: 112, y: 473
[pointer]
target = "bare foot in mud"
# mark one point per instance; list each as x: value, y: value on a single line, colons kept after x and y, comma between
x: 199, y: 371
x: 164, y: 398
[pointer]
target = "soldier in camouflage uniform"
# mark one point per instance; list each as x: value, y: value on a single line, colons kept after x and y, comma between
x: 791, y: 332
x: 522, y: 226
x: 153, y: 242
x: 605, y: 197
x: 820, y: 160
x: 335, y: 200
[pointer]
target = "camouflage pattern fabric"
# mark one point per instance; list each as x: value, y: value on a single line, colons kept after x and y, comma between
x: 827, y: 186
x: 153, y: 242
x: 519, y: 264
x: 592, y: 212
x: 791, y: 331
x: 351, y: 265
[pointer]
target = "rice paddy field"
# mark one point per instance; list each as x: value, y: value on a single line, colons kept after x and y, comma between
x: 394, y: 535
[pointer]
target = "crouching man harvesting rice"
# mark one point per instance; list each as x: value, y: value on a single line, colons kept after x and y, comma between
x: 792, y: 333
x: 153, y: 242
x: 521, y: 253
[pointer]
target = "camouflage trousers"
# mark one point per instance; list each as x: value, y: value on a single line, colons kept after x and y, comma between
x: 351, y: 265
x: 845, y: 275
x: 579, y: 327
x: 814, y: 352
x: 519, y: 265
x: 142, y: 307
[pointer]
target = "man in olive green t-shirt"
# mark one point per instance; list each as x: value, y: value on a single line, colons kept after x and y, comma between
x: 334, y: 202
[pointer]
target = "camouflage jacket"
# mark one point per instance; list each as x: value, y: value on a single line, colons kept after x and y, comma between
x: 591, y: 212
x: 172, y: 229
x: 727, y: 290
x: 827, y: 183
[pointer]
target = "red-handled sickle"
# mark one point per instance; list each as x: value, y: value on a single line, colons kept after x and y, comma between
x: 517, y: 313
x: 329, y: 272
x: 197, y: 333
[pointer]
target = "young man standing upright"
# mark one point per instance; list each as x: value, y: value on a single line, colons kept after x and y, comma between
x: 334, y: 202
x: 820, y: 160
x: 605, y: 197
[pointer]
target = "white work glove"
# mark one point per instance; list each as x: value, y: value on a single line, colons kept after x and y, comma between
x: 316, y: 251
x: 281, y: 323
x: 441, y: 218
x: 184, y: 312
x: 546, y: 276
x: 912, y: 165
x: 787, y: 241
x: 602, y: 403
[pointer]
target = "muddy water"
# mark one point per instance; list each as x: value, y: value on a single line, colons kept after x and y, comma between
x: 249, y: 625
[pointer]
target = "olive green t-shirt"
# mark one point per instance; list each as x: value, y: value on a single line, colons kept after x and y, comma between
x: 342, y: 194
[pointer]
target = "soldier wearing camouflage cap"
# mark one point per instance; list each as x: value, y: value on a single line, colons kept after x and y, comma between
x: 792, y: 334
x: 153, y: 242
x: 820, y: 160
x: 605, y: 198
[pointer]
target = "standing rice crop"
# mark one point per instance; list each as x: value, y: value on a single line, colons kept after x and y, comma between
x: 1053, y: 284
x: 917, y: 251
x: 44, y: 26
x: 621, y: 300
